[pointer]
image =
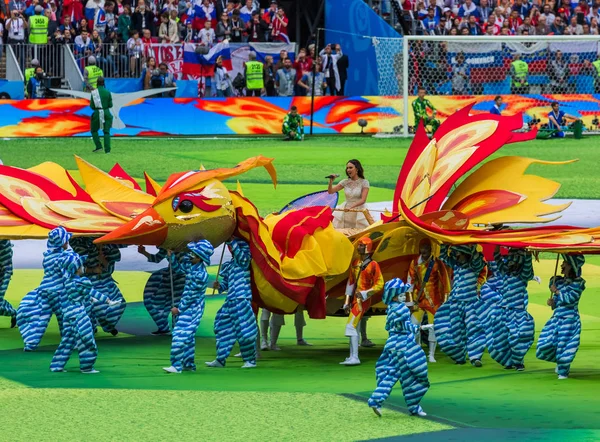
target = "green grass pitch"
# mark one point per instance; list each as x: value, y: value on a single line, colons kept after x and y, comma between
x: 300, y: 393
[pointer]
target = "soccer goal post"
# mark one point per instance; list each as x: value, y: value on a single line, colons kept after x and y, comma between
x: 527, y: 72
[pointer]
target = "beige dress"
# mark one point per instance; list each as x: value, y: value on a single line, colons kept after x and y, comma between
x: 351, y: 220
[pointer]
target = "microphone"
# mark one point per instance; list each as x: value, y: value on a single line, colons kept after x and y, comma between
x: 333, y: 175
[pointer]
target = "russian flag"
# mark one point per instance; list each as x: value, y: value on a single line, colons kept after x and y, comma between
x: 197, y: 65
x: 203, y: 13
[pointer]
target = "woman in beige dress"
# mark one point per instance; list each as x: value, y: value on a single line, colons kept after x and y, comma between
x: 356, y: 190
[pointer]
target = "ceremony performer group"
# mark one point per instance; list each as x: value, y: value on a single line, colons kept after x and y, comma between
x: 461, y: 302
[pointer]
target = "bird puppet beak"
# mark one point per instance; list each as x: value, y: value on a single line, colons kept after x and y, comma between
x: 148, y: 228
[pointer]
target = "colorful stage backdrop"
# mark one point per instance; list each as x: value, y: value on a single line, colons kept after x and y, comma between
x: 243, y: 116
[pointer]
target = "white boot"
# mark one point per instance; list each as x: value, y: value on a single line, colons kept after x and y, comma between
x: 214, y: 364
x: 171, y: 369
x: 432, y: 345
x: 249, y: 365
x: 353, y: 360
x: 90, y: 371
x: 275, y: 329
x: 420, y: 412
x: 264, y: 334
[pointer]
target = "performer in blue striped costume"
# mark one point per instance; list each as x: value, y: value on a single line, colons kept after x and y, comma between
x: 6, y: 271
x: 101, y: 266
x: 157, y: 293
x: 559, y: 340
x: 78, y: 331
x: 191, y: 307
x: 513, y: 329
x: 402, y: 358
x: 456, y: 323
x: 235, y: 320
x: 490, y: 296
x: 36, y: 308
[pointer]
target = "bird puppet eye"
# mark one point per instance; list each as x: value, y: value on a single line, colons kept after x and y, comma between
x: 186, y: 206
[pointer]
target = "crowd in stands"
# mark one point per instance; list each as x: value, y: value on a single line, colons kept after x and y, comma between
x: 119, y: 32
x: 497, y: 17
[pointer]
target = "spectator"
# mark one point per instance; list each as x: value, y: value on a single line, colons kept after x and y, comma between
x: 237, y: 27
x: 72, y: 9
x: 504, y: 6
x: 15, y: 28
x: 594, y: 13
x: 35, y: 86
x: 164, y: 79
x: 519, y: 70
x: 134, y: 50
x: 207, y: 35
x: 283, y: 54
x: 67, y: 24
x: 52, y: 21
x: 308, y: 79
x: 147, y: 72
x: 124, y: 23
x: 557, y: 27
x: 484, y: 11
x: 111, y: 18
x: 168, y: 32
x: 99, y: 18
x: 190, y: 35
x: 558, y: 118
x: 224, y: 28
x: 550, y: 17
x: 279, y: 27
x: 269, y: 16
x: 83, y: 24
x: 116, y: 59
x: 460, y: 76
x: 256, y: 28
x: 142, y: 18
x: 542, y: 27
x: 468, y: 9
x: 471, y: 27
x: 497, y: 107
x: 594, y: 28
x: 514, y: 22
x: 17, y: 5
x: 526, y: 27
x: 83, y: 45
x: 68, y: 38
x: 147, y: 43
x: 574, y: 28
x: 30, y: 72
x: 491, y: 27
x: 522, y: 9
x: 559, y: 74
x: 431, y: 22
x: 330, y: 68
x: 270, y: 73
x: 293, y: 126
x: 247, y: 11
x: 97, y: 49
x: 254, y: 74
x: 285, y: 79
x: 302, y: 66
x: 221, y: 80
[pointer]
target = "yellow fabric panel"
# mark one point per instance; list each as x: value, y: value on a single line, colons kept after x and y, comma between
x: 102, y: 187
x: 56, y: 173
x: 30, y: 231
x: 270, y: 296
x: 508, y: 173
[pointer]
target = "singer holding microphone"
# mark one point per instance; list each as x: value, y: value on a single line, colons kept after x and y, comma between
x: 349, y: 214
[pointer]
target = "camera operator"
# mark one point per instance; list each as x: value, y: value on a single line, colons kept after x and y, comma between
x: 35, y: 86
x: 161, y: 77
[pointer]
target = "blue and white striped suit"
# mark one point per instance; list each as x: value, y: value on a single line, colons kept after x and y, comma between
x: 78, y: 331
x: 6, y: 272
x: 107, y: 315
x: 402, y: 359
x: 559, y: 340
x: 157, y: 292
x: 191, y: 309
x: 37, y: 307
x: 513, y: 330
x: 457, y: 325
x: 235, y: 320
x: 490, y: 297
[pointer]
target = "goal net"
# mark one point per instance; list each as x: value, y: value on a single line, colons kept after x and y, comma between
x: 528, y: 73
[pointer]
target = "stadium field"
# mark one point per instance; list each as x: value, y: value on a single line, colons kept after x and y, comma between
x: 299, y: 393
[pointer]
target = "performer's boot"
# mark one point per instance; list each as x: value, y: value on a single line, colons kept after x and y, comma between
x: 365, y: 341
x: 300, y: 335
x: 264, y: 334
x: 275, y: 329
x: 432, y: 345
x: 353, y: 359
